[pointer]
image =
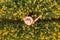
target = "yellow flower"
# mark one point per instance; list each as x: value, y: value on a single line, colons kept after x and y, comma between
x: 54, y: 34
x: 54, y: 22
x: 23, y: 28
x: 41, y: 0
x: 29, y: 1
x: 41, y: 34
x: 28, y: 28
x: 36, y: 27
x: 33, y: 36
x: 35, y: 15
x: 58, y: 34
x: 47, y: 13
x: 6, y: 0
x: 1, y: 31
x: 31, y: 33
x: 42, y: 37
x: 10, y: 18
x: 27, y: 36
x: 2, y: 1
x: 13, y: 30
x: 36, y: 9
x: 55, y: 3
x: 38, y: 6
x: 34, y: 1
x: 15, y: 35
x: 58, y: 7
x: 47, y: 38
x: 55, y: 29
x: 30, y: 10
x: 5, y: 33
x: 4, y: 7
x: 5, y: 28
x: 53, y: 37
x: 14, y: 14
x: 44, y: 17
x: 58, y: 26
x: 57, y: 17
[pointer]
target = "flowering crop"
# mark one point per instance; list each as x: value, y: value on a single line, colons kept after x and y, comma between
x: 12, y: 13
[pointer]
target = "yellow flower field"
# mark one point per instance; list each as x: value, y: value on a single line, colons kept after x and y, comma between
x: 12, y: 26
